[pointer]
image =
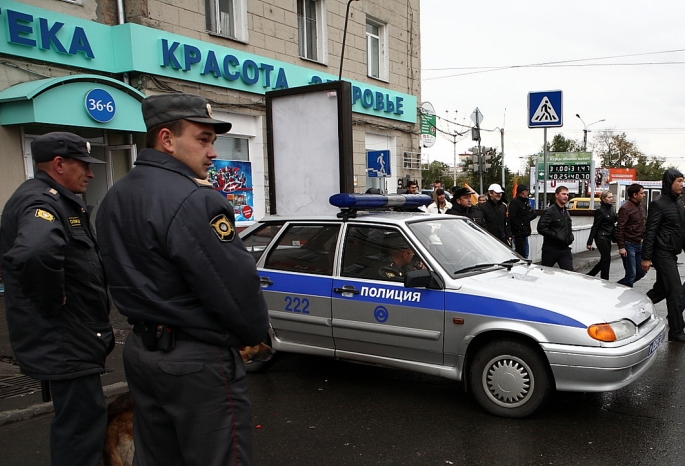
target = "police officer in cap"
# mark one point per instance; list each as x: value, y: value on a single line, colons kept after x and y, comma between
x: 398, y: 259
x: 463, y: 206
x: 180, y: 273
x: 55, y: 294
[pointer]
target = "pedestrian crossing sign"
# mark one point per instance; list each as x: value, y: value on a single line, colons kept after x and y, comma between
x: 545, y: 109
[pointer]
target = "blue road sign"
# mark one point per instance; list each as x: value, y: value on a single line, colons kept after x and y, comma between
x: 378, y: 163
x: 545, y: 109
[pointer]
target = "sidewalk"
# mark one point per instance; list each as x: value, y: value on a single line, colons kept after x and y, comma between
x: 21, y: 398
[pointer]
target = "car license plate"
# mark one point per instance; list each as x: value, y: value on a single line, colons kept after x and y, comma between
x: 656, y: 342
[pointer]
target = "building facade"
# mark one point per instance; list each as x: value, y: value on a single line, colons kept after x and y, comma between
x: 84, y: 66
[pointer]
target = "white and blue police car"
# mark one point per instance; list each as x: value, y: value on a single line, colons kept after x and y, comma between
x: 438, y: 295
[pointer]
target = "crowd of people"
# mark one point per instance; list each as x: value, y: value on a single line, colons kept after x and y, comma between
x: 644, y: 240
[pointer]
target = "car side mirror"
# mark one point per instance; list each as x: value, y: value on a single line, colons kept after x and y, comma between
x: 423, y: 279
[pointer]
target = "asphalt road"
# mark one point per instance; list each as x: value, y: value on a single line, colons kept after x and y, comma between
x: 316, y: 411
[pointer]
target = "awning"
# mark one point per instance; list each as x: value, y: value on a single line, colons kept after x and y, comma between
x: 82, y: 100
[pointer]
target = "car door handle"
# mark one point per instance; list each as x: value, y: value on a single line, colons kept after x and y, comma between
x: 346, y: 289
x: 265, y: 281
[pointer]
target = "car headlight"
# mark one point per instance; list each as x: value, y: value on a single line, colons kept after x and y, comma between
x: 613, y: 331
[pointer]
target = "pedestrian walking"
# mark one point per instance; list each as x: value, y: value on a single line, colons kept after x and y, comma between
x: 603, y: 233
x: 555, y: 226
x: 56, y: 295
x: 520, y: 216
x: 182, y: 276
x: 662, y: 243
x: 630, y: 229
x: 495, y: 214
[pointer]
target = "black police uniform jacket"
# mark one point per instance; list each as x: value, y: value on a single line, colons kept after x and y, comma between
x: 520, y: 216
x: 665, y: 221
x: 604, y: 225
x: 172, y: 255
x: 49, y: 252
x: 556, y: 227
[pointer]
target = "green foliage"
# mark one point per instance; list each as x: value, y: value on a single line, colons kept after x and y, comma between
x: 436, y: 171
x: 650, y: 168
x: 561, y: 144
x: 615, y: 150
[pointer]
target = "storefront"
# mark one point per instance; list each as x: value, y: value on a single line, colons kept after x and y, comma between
x: 93, y: 77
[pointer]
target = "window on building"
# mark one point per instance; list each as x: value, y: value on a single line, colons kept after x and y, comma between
x: 376, y: 52
x: 227, y: 18
x: 311, y: 25
x: 232, y: 148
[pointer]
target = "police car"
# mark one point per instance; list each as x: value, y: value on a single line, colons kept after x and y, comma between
x: 438, y: 295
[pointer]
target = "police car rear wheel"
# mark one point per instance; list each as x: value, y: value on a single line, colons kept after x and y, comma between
x: 509, y: 379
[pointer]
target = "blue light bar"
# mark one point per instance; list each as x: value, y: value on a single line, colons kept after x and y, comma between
x: 374, y: 201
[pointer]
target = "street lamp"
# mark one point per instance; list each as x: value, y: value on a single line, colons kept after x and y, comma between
x: 586, y: 130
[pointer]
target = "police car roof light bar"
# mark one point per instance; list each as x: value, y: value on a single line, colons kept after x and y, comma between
x: 350, y: 203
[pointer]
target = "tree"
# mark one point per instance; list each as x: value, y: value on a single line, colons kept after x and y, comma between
x: 616, y: 151
x: 650, y: 168
x: 436, y: 171
x: 561, y: 144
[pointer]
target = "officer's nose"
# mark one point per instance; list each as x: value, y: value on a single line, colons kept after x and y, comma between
x: 89, y: 172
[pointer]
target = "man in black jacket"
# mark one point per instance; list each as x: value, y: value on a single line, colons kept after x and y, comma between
x: 520, y: 216
x: 495, y: 213
x: 662, y: 243
x: 463, y: 206
x: 55, y: 294
x: 556, y: 229
x: 180, y: 273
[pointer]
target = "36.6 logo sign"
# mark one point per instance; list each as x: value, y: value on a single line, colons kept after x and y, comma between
x: 100, y: 105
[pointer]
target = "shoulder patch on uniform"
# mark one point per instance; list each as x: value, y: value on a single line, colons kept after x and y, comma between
x: 45, y: 215
x: 52, y: 192
x: 223, y: 228
x: 74, y: 221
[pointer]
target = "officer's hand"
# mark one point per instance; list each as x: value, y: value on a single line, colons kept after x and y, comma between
x: 623, y: 252
x: 645, y: 265
x: 64, y: 301
x: 589, y: 247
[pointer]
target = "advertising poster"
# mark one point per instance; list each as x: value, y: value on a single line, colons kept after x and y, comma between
x: 233, y: 179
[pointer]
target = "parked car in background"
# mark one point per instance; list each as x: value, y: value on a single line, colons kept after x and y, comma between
x: 436, y: 294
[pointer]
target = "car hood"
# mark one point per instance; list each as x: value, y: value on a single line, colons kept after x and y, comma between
x: 585, y: 299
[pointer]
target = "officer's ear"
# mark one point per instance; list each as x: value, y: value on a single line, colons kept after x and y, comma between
x: 166, y: 140
x: 57, y: 164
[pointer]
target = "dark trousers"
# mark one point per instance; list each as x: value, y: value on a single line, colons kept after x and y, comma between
x: 77, y: 432
x: 668, y: 286
x: 191, y: 405
x: 604, y: 247
x: 563, y: 257
x: 521, y: 246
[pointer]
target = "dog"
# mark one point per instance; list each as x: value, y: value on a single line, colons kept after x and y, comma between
x: 119, y: 446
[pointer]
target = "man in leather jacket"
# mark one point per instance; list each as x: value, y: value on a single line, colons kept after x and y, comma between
x: 56, y: 294
x: 495, y: 213
x: 462, y: 206
x: 662, y: 243
x: 520, y: 216
x: 555, y: 227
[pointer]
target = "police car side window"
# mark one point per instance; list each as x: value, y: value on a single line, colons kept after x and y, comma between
x: 377, y: 253
x: 257, y: 241
x: 305, y: 249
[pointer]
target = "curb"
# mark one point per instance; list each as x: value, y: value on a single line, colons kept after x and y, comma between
x: 15, y: 415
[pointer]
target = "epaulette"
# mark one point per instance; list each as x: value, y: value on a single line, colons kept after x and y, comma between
x: 201, y: 182
x: 52, y: 192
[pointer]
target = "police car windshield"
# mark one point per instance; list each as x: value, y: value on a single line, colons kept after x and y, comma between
x: 460, y: 246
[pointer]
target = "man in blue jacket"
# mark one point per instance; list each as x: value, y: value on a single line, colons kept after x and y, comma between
x: 662, y: 243
x: 56, y: 295
x: 180, y: 273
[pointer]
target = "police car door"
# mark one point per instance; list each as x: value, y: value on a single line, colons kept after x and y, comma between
x: 373, y: 313
x: 296, y: 278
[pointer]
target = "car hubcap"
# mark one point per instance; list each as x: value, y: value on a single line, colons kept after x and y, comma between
x: 508, y: 381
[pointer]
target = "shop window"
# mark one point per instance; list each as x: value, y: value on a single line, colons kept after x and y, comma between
x: 376, y: 49
x: 227, y: 18
x: 305, y: 249
x: 311, y: 26
x: 232, y: 148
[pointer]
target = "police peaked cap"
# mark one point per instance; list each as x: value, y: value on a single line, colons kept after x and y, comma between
x: 164, y: 108
x: 61, y: 144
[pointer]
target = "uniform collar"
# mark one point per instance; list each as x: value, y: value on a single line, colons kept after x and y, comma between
x: 163, y: 160
x: 50, y: 181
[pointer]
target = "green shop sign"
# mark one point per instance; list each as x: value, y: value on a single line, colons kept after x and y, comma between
x: 38, y: 34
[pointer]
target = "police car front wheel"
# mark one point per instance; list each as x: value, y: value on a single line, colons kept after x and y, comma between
x: 509, y: 379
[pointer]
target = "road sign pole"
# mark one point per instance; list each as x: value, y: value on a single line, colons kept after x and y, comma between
x: 544, y: 169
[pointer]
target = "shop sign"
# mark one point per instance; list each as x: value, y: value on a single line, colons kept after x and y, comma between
x: 100, y: 105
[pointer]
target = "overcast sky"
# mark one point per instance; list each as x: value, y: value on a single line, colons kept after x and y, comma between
x: 460, y: 40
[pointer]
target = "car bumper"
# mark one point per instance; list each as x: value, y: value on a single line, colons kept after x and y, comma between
x: 600, y: 369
